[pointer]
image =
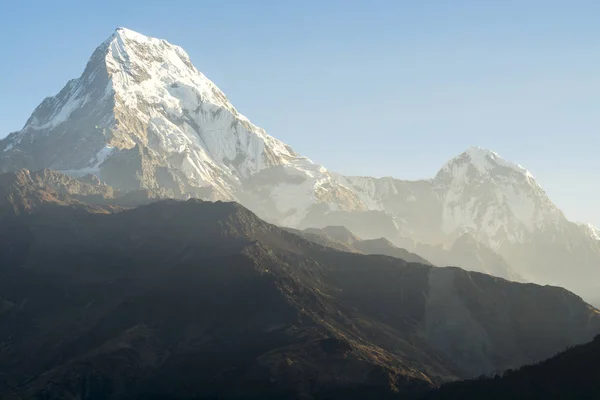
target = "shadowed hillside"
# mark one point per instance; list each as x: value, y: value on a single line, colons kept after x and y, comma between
x: 205, y: 300
x: 573, y: 374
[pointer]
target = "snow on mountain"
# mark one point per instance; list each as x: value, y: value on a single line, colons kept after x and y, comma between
x: 476, y: 192
x: 497, y: 203
x: 502, y: 205
x: 141, y: 115
x: 492, y: 198
x: 591, y: 230
x: 485, y: 161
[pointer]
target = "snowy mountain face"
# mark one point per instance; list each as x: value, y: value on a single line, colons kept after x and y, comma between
x: 477, y: 192
x: 141, y: 116
x: 592, y: 231
x: 496, y: 200
x: 501, y: 206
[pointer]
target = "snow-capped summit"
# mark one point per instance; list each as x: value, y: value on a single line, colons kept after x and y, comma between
x: 141, y: 115
x: 500, y: 205
x: 494, y: 199
x: 131, y: 34
x: 477, y: 192
x: 485, y: 162
x: 156, y: 86
x: 152, y: 65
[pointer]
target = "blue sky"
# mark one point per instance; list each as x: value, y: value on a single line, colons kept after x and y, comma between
x: 384, y: 88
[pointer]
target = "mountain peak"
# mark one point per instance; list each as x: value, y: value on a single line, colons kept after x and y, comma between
x: 141, y: 43
x: 129, y: 33
x: 494, y: 199
x: 485, y: 159
x: 137, y: 51
x: 154, y: 71
x: 485, y: 162
x: 478, y: 152
x: 141, y: 106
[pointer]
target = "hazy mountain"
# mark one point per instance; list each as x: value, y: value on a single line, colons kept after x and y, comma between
x: 197, y: 299
x: 499, y: 205
x: 463, y: 251
x: 467, y: 253
x: 572, y: 374
x: 341, y: 238
x: 142, y: 117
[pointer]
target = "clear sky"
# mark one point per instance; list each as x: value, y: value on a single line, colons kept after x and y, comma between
x: 383, y: 88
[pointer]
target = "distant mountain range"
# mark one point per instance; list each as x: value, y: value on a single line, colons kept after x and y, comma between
x: 191, y: 300
x: 142, y: 117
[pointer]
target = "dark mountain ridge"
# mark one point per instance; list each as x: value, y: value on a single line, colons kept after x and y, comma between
x: 342, y: 238
x: 194, y: 299
x: 572, y: 374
